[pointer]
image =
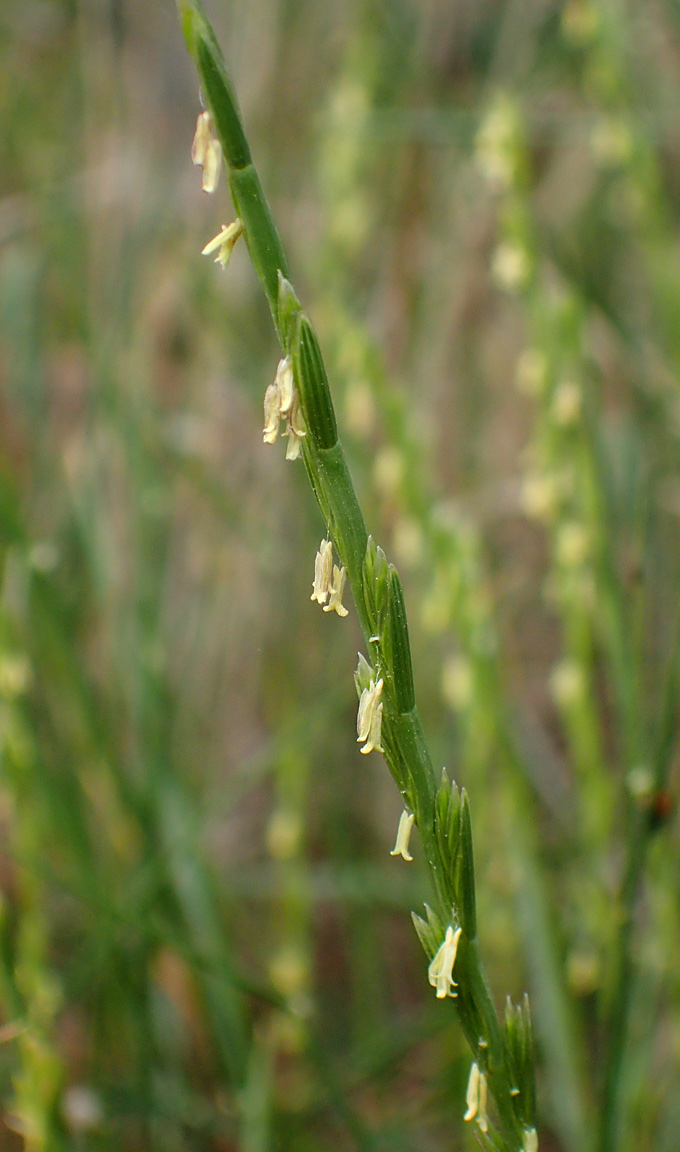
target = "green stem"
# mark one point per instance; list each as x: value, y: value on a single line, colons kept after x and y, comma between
x: 374, y: 583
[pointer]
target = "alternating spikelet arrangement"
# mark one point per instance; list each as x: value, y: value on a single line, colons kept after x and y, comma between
x: 387, y: 719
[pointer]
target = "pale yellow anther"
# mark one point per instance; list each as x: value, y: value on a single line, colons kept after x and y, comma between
x: 336, y: 590
x: 281, y: 400
x: 323, y: 570
x: 403, y: 836
x: 224, y: 242
x: 482, y: 1118
x: 476, y: 1098
x: 530, y: 1142
x: 286, y: 385
x: 369, y: 717
x: 472, y: 1094
x: 206, y: 152
x: 271, y: 414
x: 373, y: 743
x: 295, y: 426
x: 202, y: 136
x: 440, y: 972
x: 293, y: 448
x: 211, y: 166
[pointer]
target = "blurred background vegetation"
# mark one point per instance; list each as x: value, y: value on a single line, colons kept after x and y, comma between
x: 204, y: 943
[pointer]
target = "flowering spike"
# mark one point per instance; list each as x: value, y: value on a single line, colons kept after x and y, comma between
x: 336, y: 589
x: 369, y: 717
x: 334, y: 490
x: 224, y: 243
x: 403, y: 836
x: 440, y: 972
x: 323, y: 568
x: 206, y: 152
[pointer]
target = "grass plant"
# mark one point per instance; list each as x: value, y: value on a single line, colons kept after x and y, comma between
x: 388, y: 717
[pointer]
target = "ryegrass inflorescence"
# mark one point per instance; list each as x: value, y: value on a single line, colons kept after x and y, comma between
x: 388, y: 718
